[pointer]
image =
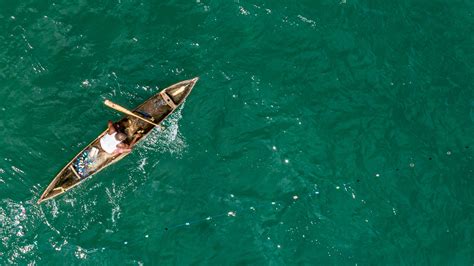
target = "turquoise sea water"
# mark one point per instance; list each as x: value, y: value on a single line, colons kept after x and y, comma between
x: 334, y: 132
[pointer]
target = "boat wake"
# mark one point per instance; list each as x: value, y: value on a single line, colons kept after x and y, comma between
x: 13, y: 226
x: 11, y: 219
x: 114, y: 195
x: 169, y: 140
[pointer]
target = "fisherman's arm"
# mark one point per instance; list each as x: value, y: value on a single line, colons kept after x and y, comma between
x: 110, y: 128
x: 120, y: 151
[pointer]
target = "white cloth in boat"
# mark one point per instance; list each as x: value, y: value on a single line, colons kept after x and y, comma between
x: 109, y: 142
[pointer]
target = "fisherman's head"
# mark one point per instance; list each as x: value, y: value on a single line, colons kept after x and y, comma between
x: 120, y: 136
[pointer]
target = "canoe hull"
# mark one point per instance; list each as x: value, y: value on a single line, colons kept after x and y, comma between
x: 157, y: 108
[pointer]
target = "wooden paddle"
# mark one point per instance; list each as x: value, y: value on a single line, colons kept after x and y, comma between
x: 126, y: 111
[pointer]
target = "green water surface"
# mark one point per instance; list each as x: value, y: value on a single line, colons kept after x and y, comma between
x: 333, y: 132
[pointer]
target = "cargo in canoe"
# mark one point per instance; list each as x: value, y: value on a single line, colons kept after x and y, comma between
x: 92, y: 159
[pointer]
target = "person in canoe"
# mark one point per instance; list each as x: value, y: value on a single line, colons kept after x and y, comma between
x: 112, y: 142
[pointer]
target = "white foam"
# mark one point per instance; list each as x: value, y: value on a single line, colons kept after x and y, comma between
x: 13, y: 224
x: 142, y: 165
x: 80, y: 253
x: 26, y: 248
x: 17, y: 170
x: 306, y: 20
x: 169, y: 140
x: 114, y: 195
x: 243, y: 11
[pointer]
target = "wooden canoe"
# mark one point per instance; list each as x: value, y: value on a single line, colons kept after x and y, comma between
x: 156, y: 108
